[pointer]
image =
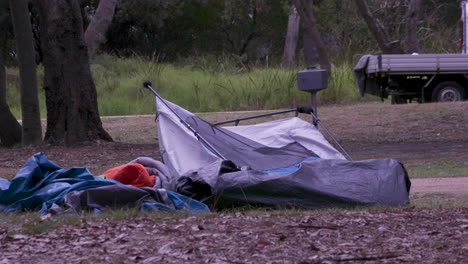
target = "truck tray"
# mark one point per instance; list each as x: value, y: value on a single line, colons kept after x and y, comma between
x: 415, y: 64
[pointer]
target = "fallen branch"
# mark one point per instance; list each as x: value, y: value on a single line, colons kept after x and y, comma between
x: 315, y: 227
x: 366, y: 258
x: 349, y: 259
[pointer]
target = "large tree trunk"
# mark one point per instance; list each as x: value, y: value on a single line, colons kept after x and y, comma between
x: 10, y: 132
x: 378, y: 30
x: 96, y: 32
x: 411, y: 17
x: 71, y: 99
x: 310, y: 51
x: 306, y: 12
x: 292, y: 34
x: 30, y: 110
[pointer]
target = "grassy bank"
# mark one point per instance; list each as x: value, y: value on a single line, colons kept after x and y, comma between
x: 200, y: 86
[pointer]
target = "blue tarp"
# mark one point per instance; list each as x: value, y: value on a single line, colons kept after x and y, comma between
x: 41, y: 183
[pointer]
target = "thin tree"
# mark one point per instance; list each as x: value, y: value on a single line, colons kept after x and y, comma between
x: 292, y: 35
x: 306, y: 12
x: 378, y: 30
x: 30, y: 110
x: 95, y: 33
x: 411, y: 18
x: 10, y: 133
x: 71, y: 98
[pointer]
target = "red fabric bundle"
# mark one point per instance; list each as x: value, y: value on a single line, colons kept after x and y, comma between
x: 133, y: 174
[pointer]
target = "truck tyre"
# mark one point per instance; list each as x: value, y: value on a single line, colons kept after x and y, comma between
x: 448, y: 92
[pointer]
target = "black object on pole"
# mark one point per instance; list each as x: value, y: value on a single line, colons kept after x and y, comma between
x: 313, y: 80
x: 148, y: 85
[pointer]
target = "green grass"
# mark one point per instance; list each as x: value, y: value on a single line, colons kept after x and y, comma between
x: 203, y: 85
x: 441, y: 168
x: 438, y: 201
x: 30, y: 223
x: 33, y: 223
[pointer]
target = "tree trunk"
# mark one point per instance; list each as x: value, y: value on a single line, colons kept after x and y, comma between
x: 310, y: 51
x: 291, y: 38
x: 71, y: 99
x: 378, y: 30
x: 30, y: 111
x: 96, y: 32
x: 411, y: 17
x: 10, y: 132
x: 306, y: 12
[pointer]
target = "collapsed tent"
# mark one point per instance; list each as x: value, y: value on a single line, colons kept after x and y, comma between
x: 286, y: 163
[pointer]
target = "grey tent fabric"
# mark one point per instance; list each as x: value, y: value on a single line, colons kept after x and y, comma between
x: 245, y: 152
x: 279, y: 163
x: 264, y: 146
x: 119, y: 195
x: 315, y: 184
x: 154, y: 167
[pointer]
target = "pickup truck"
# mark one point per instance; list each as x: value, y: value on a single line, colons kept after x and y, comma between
x: 418, y: 77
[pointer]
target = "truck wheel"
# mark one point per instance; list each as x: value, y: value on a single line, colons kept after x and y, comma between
x: 398, y: 99
x: 448, y: 92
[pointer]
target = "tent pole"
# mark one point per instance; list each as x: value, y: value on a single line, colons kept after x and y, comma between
x: 148, y: 84
x: 317, y: 120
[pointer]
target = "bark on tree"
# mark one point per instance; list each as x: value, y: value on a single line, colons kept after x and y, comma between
x: 30, y: 110
x: 310, y: 51
x: 292, y: 35
x: 305, y: 10
x: 71, y: 99
x: 10, y: 132
x: 378, y: 30
x: 96, y: 31
x: 411, y: 17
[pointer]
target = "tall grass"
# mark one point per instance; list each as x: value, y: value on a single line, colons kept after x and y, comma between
x: 200, y: 87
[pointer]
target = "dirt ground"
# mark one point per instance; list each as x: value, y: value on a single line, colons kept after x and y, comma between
x: 344, y: 236
x: 371, y: 235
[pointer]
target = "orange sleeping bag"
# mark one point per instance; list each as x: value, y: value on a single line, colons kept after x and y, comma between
x: 133, y: 174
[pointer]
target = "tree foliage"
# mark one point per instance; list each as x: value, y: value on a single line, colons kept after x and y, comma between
x: 254, y: 31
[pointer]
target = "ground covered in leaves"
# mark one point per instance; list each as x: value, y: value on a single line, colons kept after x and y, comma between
x: 350, y: 236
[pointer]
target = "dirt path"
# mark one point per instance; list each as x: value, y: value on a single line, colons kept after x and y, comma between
x: 454, y: 186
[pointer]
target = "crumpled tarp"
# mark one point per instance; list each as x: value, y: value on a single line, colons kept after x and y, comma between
x: 148, y: 199
x: 41, y: 183
x: 314, y: 183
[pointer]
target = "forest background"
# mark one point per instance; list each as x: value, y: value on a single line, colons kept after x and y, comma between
x: 209, y: 55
